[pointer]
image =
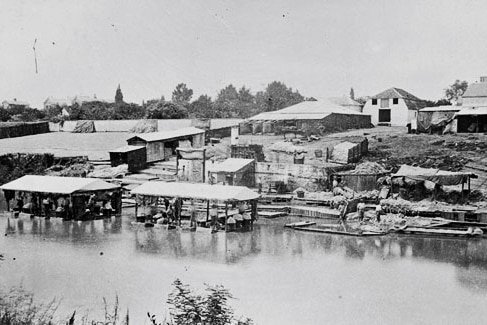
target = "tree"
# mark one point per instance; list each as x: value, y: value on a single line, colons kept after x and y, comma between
x: 455, y: 91
x: 246, y: 103
x: 440, y: 102
x: 277, y: 96
x: 352, y: 93
x: 182, y: 95
x: 118, y: 96
x: 226, y: 103
x: 202, y: 107
x: 125, y: 111
x: 165, y: 110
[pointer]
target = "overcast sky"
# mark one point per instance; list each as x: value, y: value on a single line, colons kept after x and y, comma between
x: 322, y: 48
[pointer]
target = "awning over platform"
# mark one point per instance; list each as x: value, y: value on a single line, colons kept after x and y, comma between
x: 57, y: 184
x: 433, y: 175
x: 196, y: 191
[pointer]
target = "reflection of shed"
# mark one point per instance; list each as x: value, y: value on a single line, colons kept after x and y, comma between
x: 472, y: 119
x: 234, y: 171
x: 162, y: 145
x: 76, y: 189
x: 437, y: 119
x: 134, y: 156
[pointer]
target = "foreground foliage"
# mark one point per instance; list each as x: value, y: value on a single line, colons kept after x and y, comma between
x: 18, y: 307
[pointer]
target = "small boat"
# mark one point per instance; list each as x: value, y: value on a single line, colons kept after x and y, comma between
x: 338, y: 232
x: 469, y: 233
x: 300, y: 224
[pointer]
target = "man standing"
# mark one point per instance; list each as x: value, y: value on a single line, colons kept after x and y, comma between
x: 361, y: 210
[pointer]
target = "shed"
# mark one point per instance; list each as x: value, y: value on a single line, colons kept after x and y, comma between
x: 76, y: 189
x: 472, y: 119
x: 363, y: 178
x: 162, y: 145
x: 312, y: 117
x: 437, y: 119
x: 234, y: 171
x: 434, y: 175
x: 134, y: 156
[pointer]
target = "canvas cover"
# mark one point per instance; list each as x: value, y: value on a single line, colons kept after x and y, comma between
x: 437, y: 176
x: 438, y: 119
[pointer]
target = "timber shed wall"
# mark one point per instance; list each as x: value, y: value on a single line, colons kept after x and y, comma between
x: 14, y: 129
x: 136, y: 160
x: 360, y: 183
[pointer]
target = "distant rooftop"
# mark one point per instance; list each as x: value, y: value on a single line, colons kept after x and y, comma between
x: 478, y: 89
x: 168, y: 135
x: 307, y: 110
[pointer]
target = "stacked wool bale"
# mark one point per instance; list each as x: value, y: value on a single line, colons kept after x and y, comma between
x: 369, y: 168
x: 144, y: 126
x: 343, y: 152
x: 84, y: 127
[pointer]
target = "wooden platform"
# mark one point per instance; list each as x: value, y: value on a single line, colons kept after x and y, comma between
x: 314, y: 212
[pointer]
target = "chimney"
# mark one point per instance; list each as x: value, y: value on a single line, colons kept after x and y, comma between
x: 483, y: 79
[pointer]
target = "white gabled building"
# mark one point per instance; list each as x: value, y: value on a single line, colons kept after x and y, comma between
x: 393, y: 107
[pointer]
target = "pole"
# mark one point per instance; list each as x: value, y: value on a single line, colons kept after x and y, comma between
x: 226, y: 216
x: 136, y: 205
x: 207, y: 210
x: 204, y: 164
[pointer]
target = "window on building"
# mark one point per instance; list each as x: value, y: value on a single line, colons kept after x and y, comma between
x: 395, y: 101
x: 384, y: 102
x: 374, y: 101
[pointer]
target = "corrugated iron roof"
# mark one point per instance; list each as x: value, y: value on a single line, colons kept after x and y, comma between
x: 224, y: 123
x: 476, y: 90
x: 127, y: 149
x: 308, y: 110
x: 344, y: 101
x: 231, y: 165
x: 443, y: 108
x: 168, y: 135
x: 281, y: 117
x: 57, y: 184
x: 481, y: 110
x: 196, y: 191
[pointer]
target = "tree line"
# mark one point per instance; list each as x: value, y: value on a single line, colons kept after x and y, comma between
x: 230, y: 102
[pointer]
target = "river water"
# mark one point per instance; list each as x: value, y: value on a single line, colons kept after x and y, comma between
x: 277, y: 275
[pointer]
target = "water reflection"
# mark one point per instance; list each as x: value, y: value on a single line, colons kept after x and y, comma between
x: 58, y: 230
x: 271, y: 240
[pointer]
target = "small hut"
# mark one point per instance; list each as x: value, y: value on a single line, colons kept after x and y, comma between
x: 163, y: 145
x: 134, y: 156
x: 234, y: 171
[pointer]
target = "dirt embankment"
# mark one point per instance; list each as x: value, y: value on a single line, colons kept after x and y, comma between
x: 447, y: 152
x: 13, y: 166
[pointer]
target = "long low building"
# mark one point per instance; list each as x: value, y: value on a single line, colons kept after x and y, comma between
x: 321, y: 116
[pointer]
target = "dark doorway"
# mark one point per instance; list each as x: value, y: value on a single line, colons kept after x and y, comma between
x: 384, y: 115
